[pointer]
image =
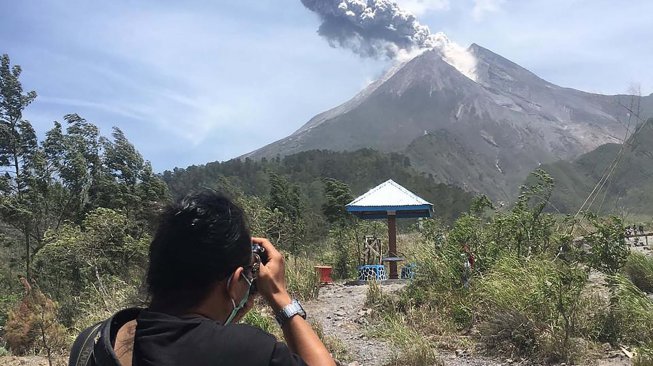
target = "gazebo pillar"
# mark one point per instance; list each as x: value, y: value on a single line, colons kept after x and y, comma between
x: 392, y: 243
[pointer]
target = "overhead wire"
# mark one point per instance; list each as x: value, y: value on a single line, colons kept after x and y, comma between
x: 609, y: 170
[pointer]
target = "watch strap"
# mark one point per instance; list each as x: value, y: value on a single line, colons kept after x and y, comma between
x: 290, y: 310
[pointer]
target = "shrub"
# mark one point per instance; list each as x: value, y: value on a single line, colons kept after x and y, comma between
x: 98, y: 302
x: 33, y: 327
x: 639, y: 269
x: 417, y: 354
x: 532, y: 308
x: 412, y: 346
x: 509, y: 332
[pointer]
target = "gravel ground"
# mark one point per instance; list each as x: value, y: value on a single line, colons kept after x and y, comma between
x: 341, y: 312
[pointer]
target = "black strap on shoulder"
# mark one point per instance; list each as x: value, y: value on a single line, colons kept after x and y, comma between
x: 82, y: 350
x: 94, y: 346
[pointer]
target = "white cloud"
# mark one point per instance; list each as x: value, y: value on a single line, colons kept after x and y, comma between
x: 419, y: 7
x: 483, y: 7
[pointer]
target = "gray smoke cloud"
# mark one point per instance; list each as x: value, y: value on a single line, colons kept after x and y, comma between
x: 371, y: 28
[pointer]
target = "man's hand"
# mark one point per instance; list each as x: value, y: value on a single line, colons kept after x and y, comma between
x: 299, y: 335
x: 271, y: 281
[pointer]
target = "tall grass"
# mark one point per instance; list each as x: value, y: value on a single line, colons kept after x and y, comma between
x: 412, y: 348
x: 534, y: 308
x: 632, y: 315
x: 301, y: 278
x: 639, y: 269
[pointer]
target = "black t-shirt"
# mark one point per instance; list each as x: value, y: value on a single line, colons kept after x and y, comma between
x: 165, y: 340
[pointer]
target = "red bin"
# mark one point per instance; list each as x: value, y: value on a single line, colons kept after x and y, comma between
x: 325, y: 274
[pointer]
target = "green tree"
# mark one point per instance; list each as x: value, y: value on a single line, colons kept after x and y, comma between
x: 337, y: 195
x: 608, y: 248
x: 78, y: 257
x: 17, y: 154
x: 285, y: 200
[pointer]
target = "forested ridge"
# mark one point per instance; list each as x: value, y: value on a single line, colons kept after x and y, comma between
x: 306, y: 171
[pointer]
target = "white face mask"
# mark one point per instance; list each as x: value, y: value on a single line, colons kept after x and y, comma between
x: 242, y: 302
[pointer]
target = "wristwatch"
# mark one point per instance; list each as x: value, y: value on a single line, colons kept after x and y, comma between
x: 288, y: 311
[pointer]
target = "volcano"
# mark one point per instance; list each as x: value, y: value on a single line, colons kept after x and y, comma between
x: 483, y: 129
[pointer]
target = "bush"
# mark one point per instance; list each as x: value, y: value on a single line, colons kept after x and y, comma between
x: 33, y: 327
x: 98, y: 302
x: 417, y: 354
x: 509, y: 332
x: 533, y: 308
x: 639, y: 269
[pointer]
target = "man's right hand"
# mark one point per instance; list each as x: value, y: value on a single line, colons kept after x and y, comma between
x: 299, y: 335
x: 271, y: 281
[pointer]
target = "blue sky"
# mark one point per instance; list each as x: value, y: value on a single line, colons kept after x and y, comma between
x: 191, y: 82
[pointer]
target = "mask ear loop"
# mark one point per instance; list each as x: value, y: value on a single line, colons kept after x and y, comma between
x: 242, y: 303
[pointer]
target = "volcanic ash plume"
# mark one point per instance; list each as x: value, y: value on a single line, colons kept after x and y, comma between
x: 377, y: 28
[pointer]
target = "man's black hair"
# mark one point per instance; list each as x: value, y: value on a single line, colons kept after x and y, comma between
x: 201, y: 239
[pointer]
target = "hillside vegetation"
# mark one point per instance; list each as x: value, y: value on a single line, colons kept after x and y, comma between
x: 360, y: 170
x: 621, y: 173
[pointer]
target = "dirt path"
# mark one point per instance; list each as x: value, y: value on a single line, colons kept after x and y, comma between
x: 341, y: 311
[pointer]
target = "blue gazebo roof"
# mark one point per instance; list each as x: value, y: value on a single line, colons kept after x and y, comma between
x: 389, y: 198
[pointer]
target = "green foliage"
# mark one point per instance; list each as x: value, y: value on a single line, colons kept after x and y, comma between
x: 286, y: 202
x: 639, y: 269
x: 360, y: 170
x: 337, y: 195
x: 643, y: 357
x: 525, y: 304
x: 76, y: 259
x: 67, y: 175
x: 609, y: 250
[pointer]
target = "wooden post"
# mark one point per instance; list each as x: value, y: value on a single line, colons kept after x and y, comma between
x: 392, y: 243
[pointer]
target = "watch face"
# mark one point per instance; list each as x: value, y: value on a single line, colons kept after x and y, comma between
x: 294, y: 308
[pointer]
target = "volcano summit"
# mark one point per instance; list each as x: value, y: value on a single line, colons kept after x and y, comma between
x: 482, y: 126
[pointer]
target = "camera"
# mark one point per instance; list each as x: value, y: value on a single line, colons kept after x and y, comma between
x: 260, y: 251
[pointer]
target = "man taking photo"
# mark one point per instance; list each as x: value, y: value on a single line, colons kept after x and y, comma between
x: 204, y: 268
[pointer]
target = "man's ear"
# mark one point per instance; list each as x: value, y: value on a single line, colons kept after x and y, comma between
x: 233, y: 286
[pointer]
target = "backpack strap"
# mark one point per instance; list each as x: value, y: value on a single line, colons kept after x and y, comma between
x: 94, y: 346
x: 81, y: 353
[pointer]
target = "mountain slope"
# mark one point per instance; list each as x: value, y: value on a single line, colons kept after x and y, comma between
x: 629, y: 187
x: 484, y: 134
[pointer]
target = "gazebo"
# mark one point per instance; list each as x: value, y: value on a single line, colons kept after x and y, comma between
x: 390, y: 200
